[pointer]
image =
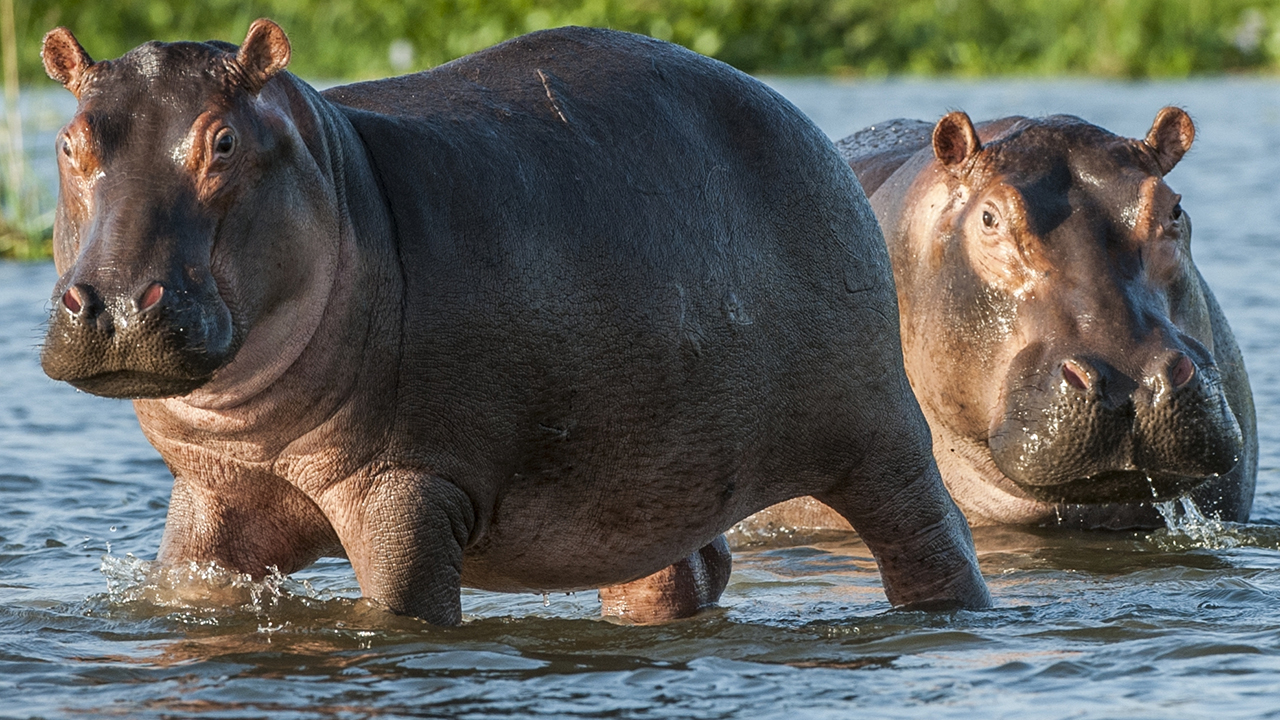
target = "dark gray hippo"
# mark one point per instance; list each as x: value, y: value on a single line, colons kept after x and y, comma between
x: 550, y: 317
x: 1071, y: 361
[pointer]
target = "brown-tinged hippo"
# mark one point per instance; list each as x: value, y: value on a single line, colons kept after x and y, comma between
x: 1071, y: 361
x: 553, y: 316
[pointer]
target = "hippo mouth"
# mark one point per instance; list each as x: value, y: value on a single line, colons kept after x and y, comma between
x: 1117, y: 486
x: 133, y: 384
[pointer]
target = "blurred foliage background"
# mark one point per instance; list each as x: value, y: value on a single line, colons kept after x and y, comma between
x: 340, y: 39
x: 360, y: 39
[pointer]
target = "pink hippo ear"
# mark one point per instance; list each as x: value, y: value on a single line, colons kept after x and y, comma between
x: 264, y: 52
x: 955, y: 140
x: 64, y: 59
x: 1170, y: 137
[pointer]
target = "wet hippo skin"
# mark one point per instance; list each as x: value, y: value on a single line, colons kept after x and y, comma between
x: 553, y: 316
x: 1072, y: 362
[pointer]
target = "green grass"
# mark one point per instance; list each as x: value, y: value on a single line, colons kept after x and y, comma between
x: 341, y: 39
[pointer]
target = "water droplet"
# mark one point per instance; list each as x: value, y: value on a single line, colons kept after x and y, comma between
x: 1192, y: 528
x: 113, y: 528
x: 546, y: 600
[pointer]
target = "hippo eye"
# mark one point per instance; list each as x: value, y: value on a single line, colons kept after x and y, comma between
x: 988, y: 219
x: 225, y: 143
x: 1177, y: 212
x: 64, y: 147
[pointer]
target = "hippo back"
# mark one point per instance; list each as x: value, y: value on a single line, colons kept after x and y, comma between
x: 876, y: 152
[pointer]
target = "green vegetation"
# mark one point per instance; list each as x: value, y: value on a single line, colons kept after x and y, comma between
x: 355, y: 39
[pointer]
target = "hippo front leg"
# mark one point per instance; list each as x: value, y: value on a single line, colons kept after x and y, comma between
x: 243, y: 519
x: 404, y: 534
x: 677, y: 591
x: 919, y: 537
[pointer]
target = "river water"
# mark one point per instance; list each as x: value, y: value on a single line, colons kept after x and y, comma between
x: 1180, y: 623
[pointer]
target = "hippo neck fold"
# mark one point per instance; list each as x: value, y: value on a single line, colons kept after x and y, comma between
x: 298, y: 365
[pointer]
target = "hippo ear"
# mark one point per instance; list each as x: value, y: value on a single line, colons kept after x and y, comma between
x: 64, y: 59
x: 1170, y: 137
x: 955, y: 140
x: 264, y: 52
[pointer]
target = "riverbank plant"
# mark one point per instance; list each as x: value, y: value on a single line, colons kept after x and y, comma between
x: 348, y: 39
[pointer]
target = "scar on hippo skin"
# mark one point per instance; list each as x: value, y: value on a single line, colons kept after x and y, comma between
x: 551, y: 98
x: 64, y: 60
x: 416, y: 323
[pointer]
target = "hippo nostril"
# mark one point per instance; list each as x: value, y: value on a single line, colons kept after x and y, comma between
x: 73, y: 301
x: 150, y: 297
x: 1180, y: 372
x: 1076, y: 376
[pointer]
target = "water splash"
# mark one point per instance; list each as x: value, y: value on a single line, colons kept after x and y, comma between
x: 195, y: 585
x: 1187, y: 527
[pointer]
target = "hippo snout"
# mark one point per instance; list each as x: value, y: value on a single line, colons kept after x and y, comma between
x: 1089, y: 433
x: 158, y: 338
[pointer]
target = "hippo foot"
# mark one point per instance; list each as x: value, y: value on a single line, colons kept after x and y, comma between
x: 677, y: 591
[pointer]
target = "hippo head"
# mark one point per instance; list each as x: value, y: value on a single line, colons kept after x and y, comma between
x: 1052, y: 313
x: 178, y: 212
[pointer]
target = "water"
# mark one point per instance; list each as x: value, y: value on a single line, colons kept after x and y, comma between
x: 1181, y: 623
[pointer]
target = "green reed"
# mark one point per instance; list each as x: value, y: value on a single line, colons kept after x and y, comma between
x: 24, y: 232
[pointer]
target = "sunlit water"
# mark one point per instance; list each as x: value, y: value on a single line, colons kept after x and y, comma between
x: 1181, y: 623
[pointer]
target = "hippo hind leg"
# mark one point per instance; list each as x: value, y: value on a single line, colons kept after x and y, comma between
x: 901, y: 510
x: 677, y: 591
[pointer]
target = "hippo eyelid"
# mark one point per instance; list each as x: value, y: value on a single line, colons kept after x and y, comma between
x: 77, y: 150
x: 64, y: 148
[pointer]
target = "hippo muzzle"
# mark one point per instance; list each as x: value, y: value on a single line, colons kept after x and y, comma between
x: 159, y: 339
x: 138, y: 313
x: 1087, y: 433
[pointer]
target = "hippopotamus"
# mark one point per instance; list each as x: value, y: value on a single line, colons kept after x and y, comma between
x: 1072, y: 362
x: 550, y: 317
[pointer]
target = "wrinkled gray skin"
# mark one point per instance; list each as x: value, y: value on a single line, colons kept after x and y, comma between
x: 550, y: 317
x: 1069, y: 357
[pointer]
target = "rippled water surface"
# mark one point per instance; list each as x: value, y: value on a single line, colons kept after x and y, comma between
x: 1101, y: 625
